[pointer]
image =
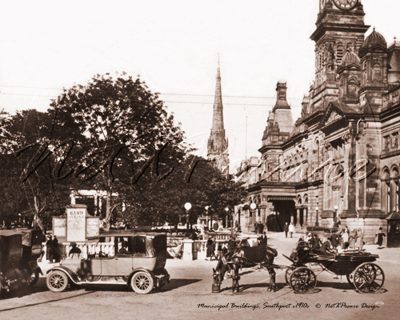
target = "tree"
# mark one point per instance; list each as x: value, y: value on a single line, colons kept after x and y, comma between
x: 195, y: 180
x: 121, y: 125
x: 28, y: 191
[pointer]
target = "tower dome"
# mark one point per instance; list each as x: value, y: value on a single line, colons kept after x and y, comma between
x: 374, y: 39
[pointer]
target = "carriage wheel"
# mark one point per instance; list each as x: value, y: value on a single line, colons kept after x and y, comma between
x: 288, y: 273
x: 57, y: 281
x: 368, y: 278
x: 303, y: 280
x: 142, y: 282
x: 350, y: 278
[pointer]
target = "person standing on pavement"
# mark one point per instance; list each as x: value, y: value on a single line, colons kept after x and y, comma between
x: 291, y: 230
x: 210, y: 248
x: 380, y: 236
x: 286, y: 229
x: 56, y: 252
x: 49, y: 249
x: 345, y: 239
x: 360, y: 239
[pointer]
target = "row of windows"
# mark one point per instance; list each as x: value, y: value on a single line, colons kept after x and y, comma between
x: 390, y: 142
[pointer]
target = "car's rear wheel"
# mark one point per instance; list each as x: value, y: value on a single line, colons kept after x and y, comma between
x: 34, y: 277
x: 57, y: 281
x: 142, y: 282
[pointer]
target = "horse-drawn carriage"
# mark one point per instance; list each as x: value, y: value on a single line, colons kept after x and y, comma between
x: 356, y: 265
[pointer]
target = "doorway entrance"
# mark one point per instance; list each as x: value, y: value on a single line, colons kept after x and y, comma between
x: 284, y: 209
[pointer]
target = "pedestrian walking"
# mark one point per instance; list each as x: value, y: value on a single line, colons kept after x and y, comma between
x: 286, y: 229
x: 379, y: 237
x: 292, y: 230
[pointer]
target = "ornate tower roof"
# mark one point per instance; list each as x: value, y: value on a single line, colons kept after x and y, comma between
x: 350, y: 58
x: 374, y: 39
x: 282, y: 112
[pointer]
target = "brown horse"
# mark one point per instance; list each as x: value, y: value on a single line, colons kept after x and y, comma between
x: 244, y: 257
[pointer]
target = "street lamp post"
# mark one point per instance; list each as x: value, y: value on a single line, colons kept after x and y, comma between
x: 188, y: 206
x: 253, y: 207
x: 335, y: 208
x: 316, y: 220
x: 207, y: 207
x: 227, y: 217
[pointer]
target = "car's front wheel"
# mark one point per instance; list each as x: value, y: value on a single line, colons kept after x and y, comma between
x: 142, y: 282
x: 57, y: 281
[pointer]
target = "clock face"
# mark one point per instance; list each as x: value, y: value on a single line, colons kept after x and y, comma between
x: 345, y: 4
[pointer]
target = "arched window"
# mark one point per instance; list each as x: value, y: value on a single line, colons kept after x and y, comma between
x: 376, y: 72
x: 352, y: 89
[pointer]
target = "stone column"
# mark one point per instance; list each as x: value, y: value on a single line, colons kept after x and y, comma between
x: 298, y: 218
x: 305, y: 217
x: 187, y: 249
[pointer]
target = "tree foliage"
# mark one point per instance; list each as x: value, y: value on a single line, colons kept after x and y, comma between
x: 121, y: 124
x: 112, y: 134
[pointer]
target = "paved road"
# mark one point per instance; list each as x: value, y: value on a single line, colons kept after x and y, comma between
x: 189, y: 296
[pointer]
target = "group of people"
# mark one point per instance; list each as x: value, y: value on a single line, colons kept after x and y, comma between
x: 289, y: 228
x: 340, y: 241
x: 53, y: 253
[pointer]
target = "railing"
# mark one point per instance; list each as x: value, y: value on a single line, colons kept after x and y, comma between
x: 88, y: 248
x: 94, y: 248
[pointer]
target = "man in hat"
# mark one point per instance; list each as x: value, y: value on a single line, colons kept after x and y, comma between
x: 286, y: 229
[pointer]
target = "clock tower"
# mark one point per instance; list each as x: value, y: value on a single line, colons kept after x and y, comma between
x: 340, y: 29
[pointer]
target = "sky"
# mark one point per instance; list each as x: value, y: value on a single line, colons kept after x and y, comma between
x: 173, y: 46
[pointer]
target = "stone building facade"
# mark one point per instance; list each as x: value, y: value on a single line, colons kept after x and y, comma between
x: 340, y: 160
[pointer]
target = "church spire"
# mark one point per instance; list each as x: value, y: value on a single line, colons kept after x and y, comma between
x: 217, y: 149
x: 218, y: 117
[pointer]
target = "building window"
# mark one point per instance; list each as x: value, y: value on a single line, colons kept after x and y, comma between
x: 376, y: 73
x: 395, y: 141
x: 386, y: 142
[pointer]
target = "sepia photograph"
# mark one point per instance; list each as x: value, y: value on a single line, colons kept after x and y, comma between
x: 199, y: 159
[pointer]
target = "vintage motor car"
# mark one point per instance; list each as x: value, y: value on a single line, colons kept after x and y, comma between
x: 19, y: 251
x: 138, y: 261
